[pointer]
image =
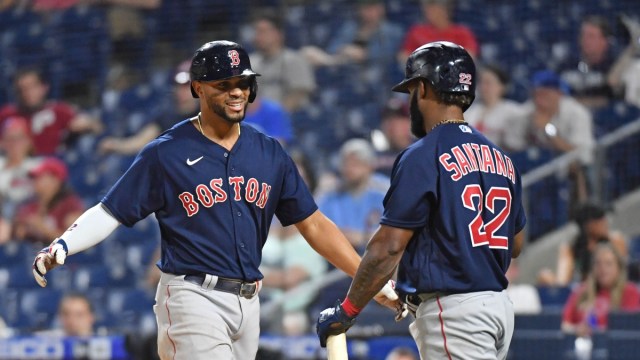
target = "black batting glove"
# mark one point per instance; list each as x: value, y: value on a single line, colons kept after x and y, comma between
x: 333, y: 321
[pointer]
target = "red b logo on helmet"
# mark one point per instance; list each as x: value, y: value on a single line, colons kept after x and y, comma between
x: 235, y: 57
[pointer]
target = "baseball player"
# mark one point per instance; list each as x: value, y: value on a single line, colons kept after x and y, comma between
x: 214, y: 185
x: 452, y: 219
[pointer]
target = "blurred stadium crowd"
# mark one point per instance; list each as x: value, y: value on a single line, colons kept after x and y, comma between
x: 86, y: 83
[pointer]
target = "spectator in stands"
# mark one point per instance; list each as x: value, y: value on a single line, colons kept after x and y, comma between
x: 126, y: 19
x: 15, y: 164
x: 626, y: 71
x: 51, y: 123
x: 606, y: 289
x: 288, y: 262
x: 270, y: 118
x: 183, y: 106
x: 491, y: 112
x: 438, y: 27
x: 356, y: 206
x: 586, y: 73
x: 75, y: 317
x: 401, y: 353
x: 53, y: 5
x: 287, y: 77
x: 396, y: 131
x: 54, y: 208
x: 574, y: 260
x: 368, y: 43
x: 551, y: 119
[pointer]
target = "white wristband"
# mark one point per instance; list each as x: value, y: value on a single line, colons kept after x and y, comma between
x: 93, y: 226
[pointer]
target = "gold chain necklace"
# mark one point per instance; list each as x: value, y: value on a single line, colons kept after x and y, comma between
x: 200, y: 126
x: 448, y: 121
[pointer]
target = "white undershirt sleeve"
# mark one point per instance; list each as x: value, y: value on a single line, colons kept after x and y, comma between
x: 93, y: 226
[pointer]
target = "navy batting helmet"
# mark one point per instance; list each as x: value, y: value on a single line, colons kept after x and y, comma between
x: 447, y: 66
x: 222, y: 59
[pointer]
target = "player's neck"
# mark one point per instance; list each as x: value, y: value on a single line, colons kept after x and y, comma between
x: 445, y: 113
x: 220, y: 131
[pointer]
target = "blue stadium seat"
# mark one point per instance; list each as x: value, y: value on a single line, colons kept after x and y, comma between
x: 537, y: 344
x: 406, y: 13
x: 328, y: 295
x: 98, y: 275
x: 186, y: 15
x: 623, y: 345
x: 15, y: 252
x: 126, y: 308
x: 9, y: 311
x: 544, y: 321
x: 21, y: 277
x: 614, y: 115
x: 624, y: 321
x: 82, y: 48
x: 623, y: 174
x: 38, y: 307
x: 379, y: 348
x: 93, y: 255
x: 553, y: 297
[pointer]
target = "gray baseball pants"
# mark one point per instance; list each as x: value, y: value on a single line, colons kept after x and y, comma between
x: 197, y: 322
x: 475, y: 326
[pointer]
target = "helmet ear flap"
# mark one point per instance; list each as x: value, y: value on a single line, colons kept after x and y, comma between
x: 253, y: 89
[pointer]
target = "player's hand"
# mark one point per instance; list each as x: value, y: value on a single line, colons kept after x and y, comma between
x: 333, y: 321
x: 388, y: 297
x: 48, y: 258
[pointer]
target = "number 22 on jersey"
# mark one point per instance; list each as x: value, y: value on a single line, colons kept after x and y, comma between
x: 481, y: 233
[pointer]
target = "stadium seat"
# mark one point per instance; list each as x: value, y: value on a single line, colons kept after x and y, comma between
x: 544, y: 321
x: 98, y: 275
x: 379, y: 348
x: 20, y: 276
x: 553, y: 297
x: 15, y: 252
x: 126, y: 308
x: 38, y: 307
x: 537, y: 344
x: 624, y: 321
x: 81, y: 49
x: 9, y: 311
x: 623, y: 345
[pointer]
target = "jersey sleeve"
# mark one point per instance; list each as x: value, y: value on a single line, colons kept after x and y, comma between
x: 520, y: 217
x: 139, y: 192
x: 296, y: 202
x: 413, y: 188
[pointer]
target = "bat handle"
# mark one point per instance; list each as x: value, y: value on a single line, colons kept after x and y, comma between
x: 337, y: 347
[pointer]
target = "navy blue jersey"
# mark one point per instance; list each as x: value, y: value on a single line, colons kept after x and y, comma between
x: 214, y: 206
x: 462, y: 195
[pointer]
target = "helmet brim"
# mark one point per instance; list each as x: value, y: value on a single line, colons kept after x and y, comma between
x: 403, y: 86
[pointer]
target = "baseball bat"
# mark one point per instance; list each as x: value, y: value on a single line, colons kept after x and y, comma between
x: 337, y: 347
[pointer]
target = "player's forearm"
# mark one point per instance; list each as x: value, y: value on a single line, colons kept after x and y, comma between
x: 376, y: 269
x: 327, y: 240
x: 93, y: 226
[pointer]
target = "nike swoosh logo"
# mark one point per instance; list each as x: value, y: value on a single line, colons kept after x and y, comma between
x: 192, y: 162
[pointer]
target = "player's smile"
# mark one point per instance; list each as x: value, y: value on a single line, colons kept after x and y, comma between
x: 236, y: 106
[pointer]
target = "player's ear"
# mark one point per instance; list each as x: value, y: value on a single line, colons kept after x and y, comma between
x: 197, y: 88
x: 422, y: 89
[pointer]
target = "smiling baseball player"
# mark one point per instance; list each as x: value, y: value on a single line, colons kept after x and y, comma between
x: 214, y: 186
